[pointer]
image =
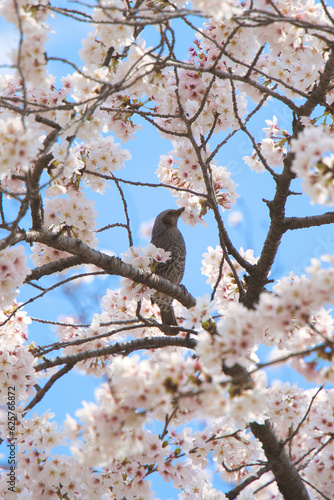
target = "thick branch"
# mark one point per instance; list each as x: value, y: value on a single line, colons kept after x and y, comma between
x: 232, y: 494
x: 287, y: 478
x: 304, y: 222
x: 53, y: 267
x: 118, y: 348
x: 258, y: 278
x: 112, y: 265
x: 279, y: 224
x: 36, y: 204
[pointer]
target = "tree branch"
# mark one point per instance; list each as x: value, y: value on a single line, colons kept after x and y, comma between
x: 258, y: 278
x: 53, y: 267
x: 238, y: 78
x: 232, y: 494
x: 118, y: 348
x: 41, y: 393
x: 36, y: 205
x: 311, y: 221
x: 112, y: 265
x: 287, y: 478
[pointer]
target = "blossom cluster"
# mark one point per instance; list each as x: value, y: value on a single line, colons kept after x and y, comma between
x: 13, y: 272
x: 119, y: 34
x: 181, y: 168
x: 319, y: 431
x: 88, y: 338
x: 19, y: 145
x: 44, y: 474
x: 126, y: 432
x: 207, y: 106
x: 29, y: 58
x: 283, y: 318
x: 314, y: 163
x: 271, y: 149
x: 288, y: 68
x: 297, y: 70
x: 145, y: 258
x: 101, y: 156
x: 198, y: 314
x: 221, y: 276
x: 22, y: 137
x: 155, y: 385
x: 107, y: 432
x: 16, y: 360
x: 73, y: 216
x: 217, y: 9
x: 118, y: 310
x: 116, y: 447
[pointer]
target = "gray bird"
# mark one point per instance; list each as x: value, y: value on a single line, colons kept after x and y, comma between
x: 166, y: 235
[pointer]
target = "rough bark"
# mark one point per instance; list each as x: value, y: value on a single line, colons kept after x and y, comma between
x: 112, y: 265
x: 287, y: 478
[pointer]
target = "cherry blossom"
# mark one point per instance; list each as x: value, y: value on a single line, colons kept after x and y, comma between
x: 313, y: 163
x: 16, y: 360
x: 271, y: 148
x: 181, y: 168
x: 13, y: 271
x: 20, y: 144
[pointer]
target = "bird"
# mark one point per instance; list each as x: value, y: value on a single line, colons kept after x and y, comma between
x: 166, y: 235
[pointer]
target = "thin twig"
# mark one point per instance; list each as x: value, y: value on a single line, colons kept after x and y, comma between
x: 41, y: 393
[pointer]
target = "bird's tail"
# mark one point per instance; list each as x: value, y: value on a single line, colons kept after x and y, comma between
x: 168, y: 318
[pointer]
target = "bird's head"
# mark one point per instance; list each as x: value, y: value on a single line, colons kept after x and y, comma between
x: 166, y: 220
x: 170, y: 217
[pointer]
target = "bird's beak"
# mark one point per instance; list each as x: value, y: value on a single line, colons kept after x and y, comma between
x: 179, y: 211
